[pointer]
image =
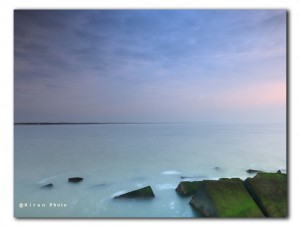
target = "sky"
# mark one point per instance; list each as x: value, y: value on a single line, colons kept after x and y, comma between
x: 150, y: 66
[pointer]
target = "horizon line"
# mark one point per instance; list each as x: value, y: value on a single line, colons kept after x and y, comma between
x: 90, y: 123
x: 124, y: 123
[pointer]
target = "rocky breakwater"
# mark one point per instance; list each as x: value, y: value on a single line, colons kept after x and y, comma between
x: 269, y: 191
x: 186, y: 188
x: 260, y: 196
x: 142, y: 193
x: 224, y: 198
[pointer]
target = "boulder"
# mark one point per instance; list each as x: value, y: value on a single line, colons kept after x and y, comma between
x: 187, y: 188
x: 75, y: 179
x: 142, y: 193
x: 269, y: 191
x: 50, y: 185
x: 224, y: 198
x: 192, y: 177
x: 254, y: 171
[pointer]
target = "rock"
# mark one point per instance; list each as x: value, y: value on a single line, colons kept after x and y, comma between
x: 217, y: 168
x: 142, y: 193
x: 48, y: 186
x: 75, y: 179
x: 192, y: 177
x: 269, y: 191
x: 254, y: 171
x: 187, y: 188
x: 224, y: 198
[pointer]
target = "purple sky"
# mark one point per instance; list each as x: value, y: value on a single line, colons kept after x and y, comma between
x: 150, y: 66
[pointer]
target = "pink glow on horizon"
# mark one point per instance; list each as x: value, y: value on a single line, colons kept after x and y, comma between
x: 256, y: 95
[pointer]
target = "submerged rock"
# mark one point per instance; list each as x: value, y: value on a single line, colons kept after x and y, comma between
x: 254, y: 171
x: 192, y: 177
x: 224, y: 198
x: 50, y: 185
x: 269, y: 190
x: 99, y: 186
x: 75, y: 179
x: 187, y: 188
x: 141, y: 193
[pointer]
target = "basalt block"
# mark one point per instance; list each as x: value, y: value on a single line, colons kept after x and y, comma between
x: 254, y: 171
x: 48, y: 186
x: 224, y: 198
x: 142, y: 193
x: 75, y: 179
x: 187, y: 188
x: 269, y: 190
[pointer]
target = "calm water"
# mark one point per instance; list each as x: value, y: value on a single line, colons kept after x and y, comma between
x: 117, y: 158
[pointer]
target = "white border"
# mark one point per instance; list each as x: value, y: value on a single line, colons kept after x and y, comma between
x: 6, y: 101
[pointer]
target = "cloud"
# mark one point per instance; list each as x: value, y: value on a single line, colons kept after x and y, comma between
x: 133, y: 62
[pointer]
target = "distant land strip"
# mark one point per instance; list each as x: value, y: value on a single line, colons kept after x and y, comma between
x: 90, y: 123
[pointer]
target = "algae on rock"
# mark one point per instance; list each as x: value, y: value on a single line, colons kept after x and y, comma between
x: 224, y: 198
x: 269, y: 190
x: 187, y: 188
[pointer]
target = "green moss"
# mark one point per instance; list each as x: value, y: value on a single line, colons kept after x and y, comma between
x: 231, y: 198
x: 269, y: 190
x: 187, y: 188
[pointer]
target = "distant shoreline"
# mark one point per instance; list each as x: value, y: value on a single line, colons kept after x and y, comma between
x: 93, y: 123
x: 132, y: 123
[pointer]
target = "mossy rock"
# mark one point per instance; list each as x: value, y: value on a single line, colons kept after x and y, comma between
x: 141, y: 193
x: 269, y: 190
x: 186, y: 188
x: 224, y: 198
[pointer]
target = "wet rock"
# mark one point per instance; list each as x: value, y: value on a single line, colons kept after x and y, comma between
x: 254, y: 171
x: 224, y: 198
x: 191, y: 177
x: 48, y: 186
x: 269, y: 191
x: 141, y: 193
x: 75, y: 179
x: 187, y: 188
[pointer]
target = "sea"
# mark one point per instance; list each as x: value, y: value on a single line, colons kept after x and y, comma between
x: 116, y: 158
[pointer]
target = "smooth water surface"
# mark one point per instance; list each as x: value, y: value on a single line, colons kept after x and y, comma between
x: 116, y: 158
